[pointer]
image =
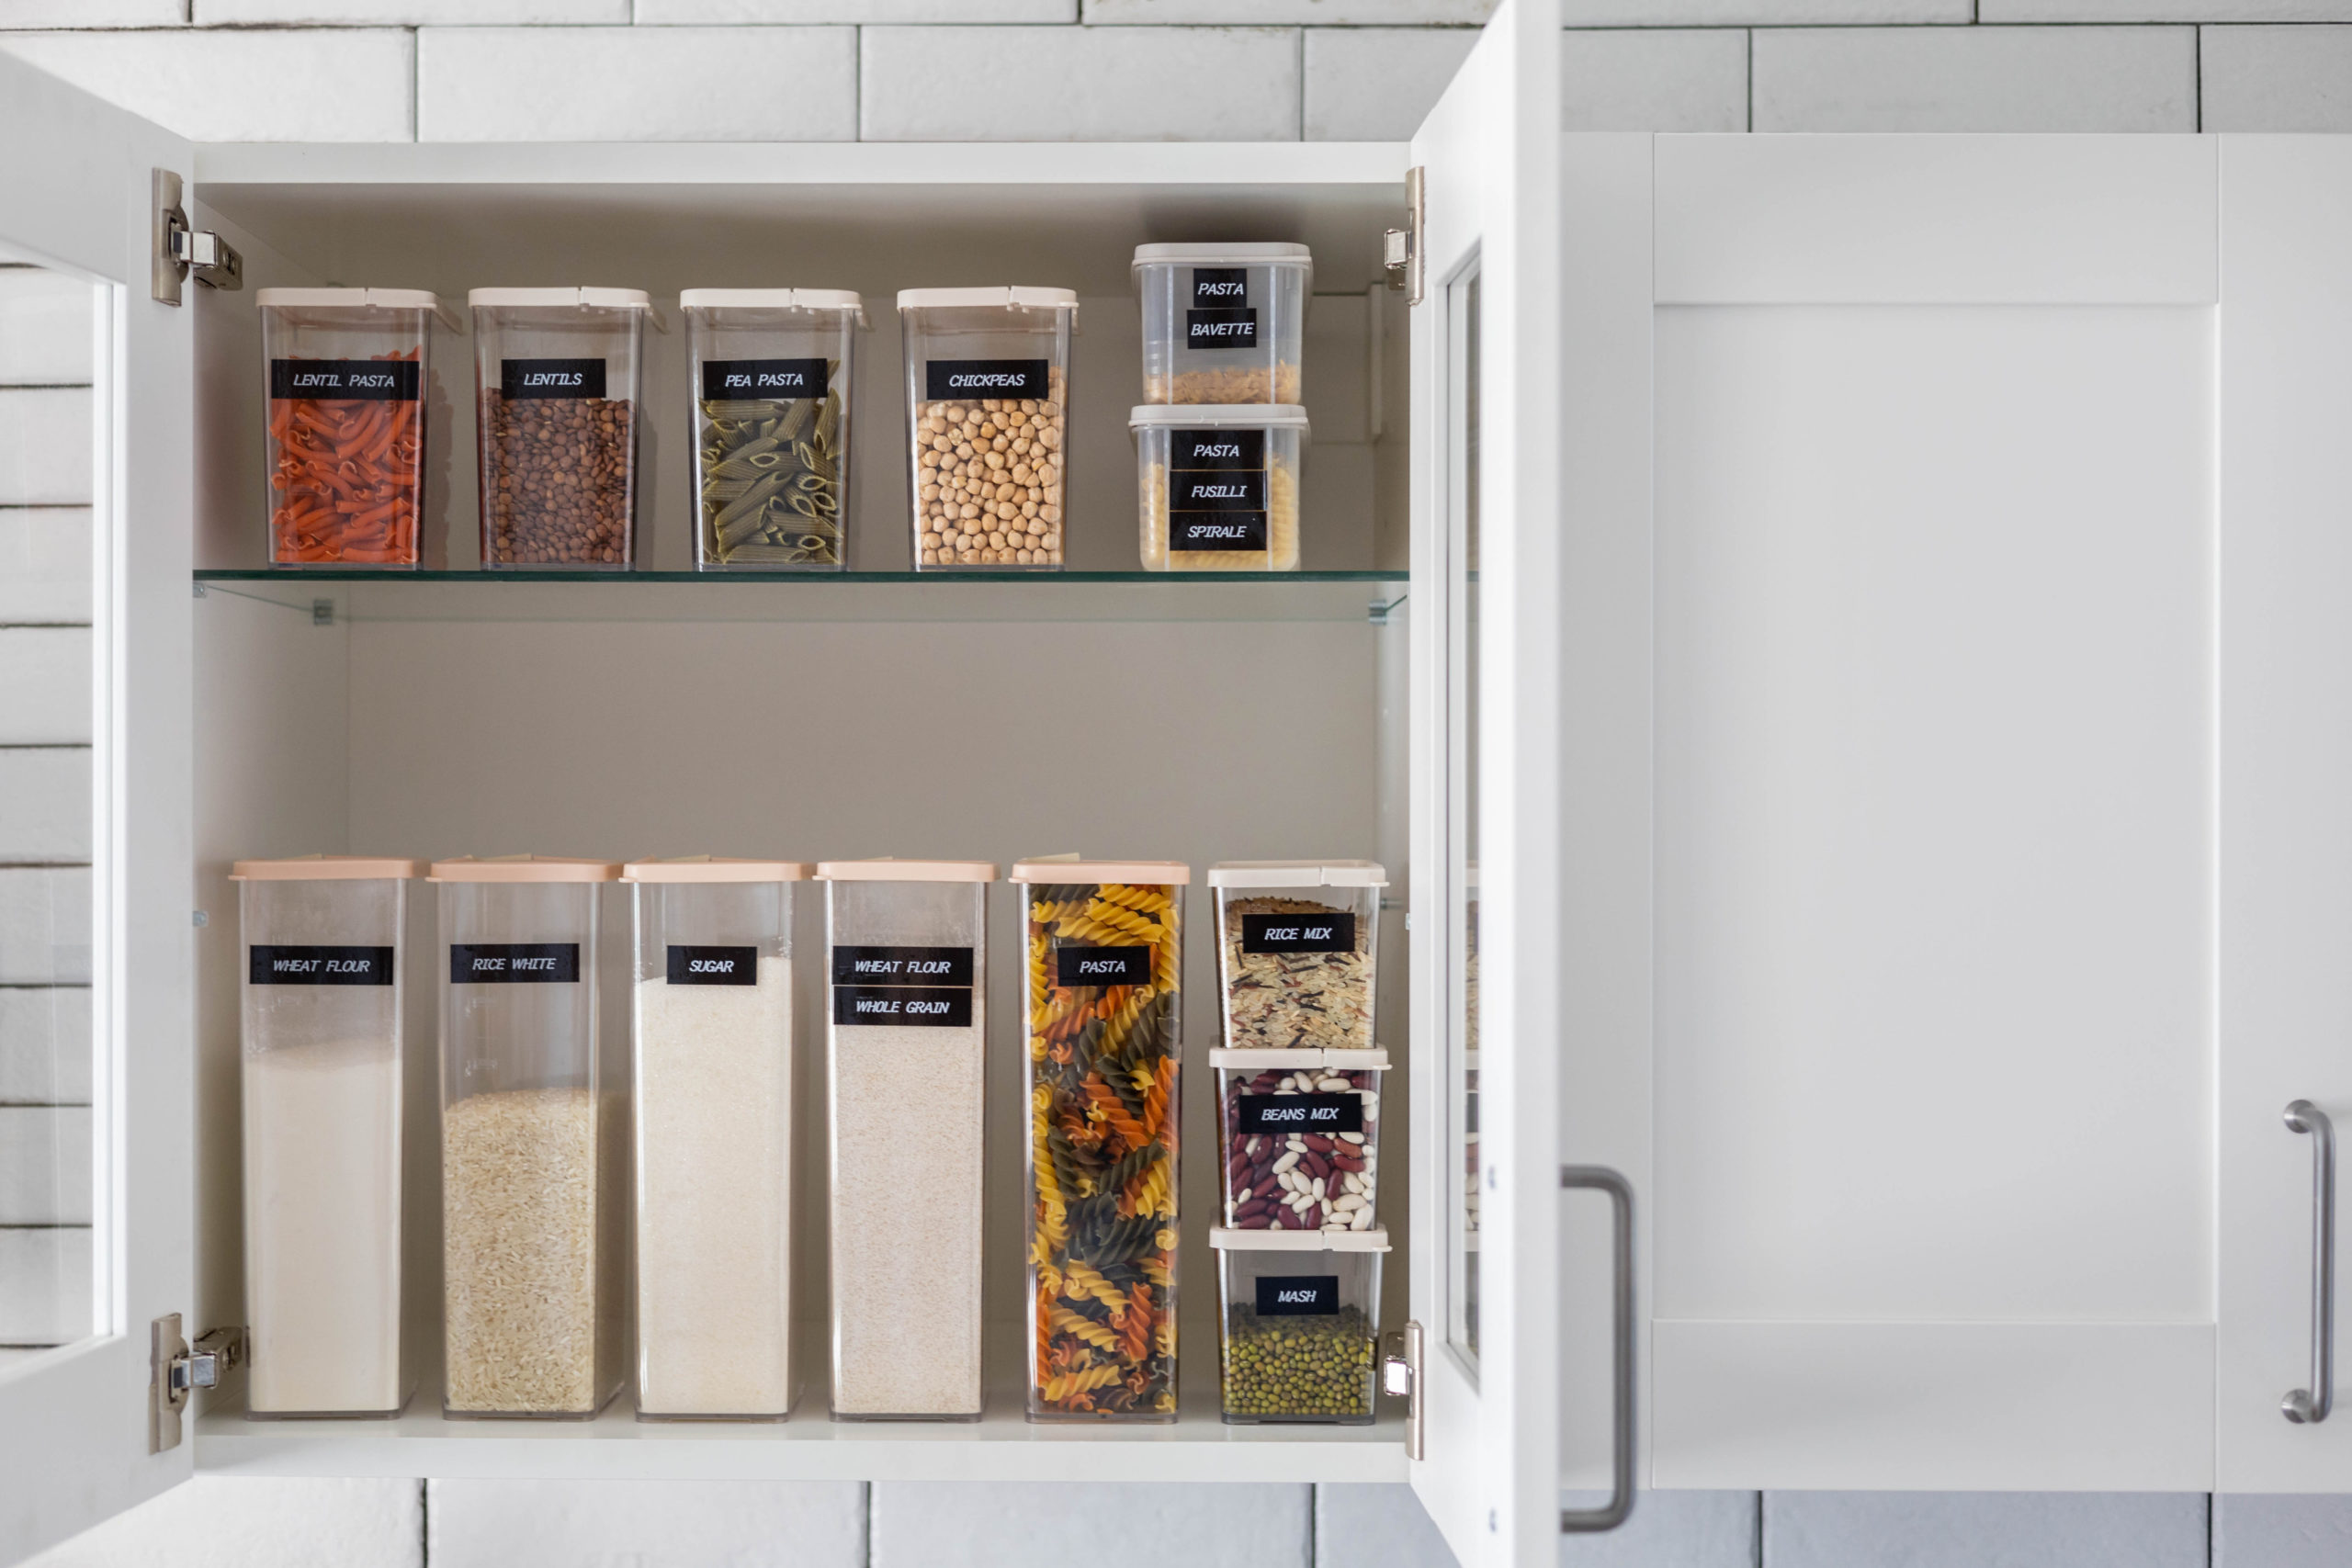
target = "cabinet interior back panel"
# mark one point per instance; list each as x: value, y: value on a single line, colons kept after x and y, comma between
x: 1935, y: 761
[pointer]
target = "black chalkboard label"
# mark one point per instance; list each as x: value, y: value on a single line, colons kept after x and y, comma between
x: 363, y: 380
x: 1101, y: 966
x: 932, y: 1007
x: 551, y: 377
x: 1298, y: 934
x: 318, y: 965
x: 1217, y: 531
x: 902, y: 966
x: 514, y: 963
x: 1220, y: 329
x: 1299, y: 1295
x: 1221, y: 451
x: 1299, y: 1113
x: 1217, y: 492
x: 947, y: 380
x: 1220, y: 288
x: 723, y: 378
x: 714, y: 966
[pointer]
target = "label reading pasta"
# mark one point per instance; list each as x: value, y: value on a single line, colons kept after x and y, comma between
x: 551, y: 377
x: 1217, y: 531
x: 1220, y: 329
x: 1298, y: 934
x: 714, y: 966
x: 724, y: 378
x: 1220, y: 288
x: 1101, y: 966
x: 902, y: 966
x: 1299, y: 1295
x: 932, y: 1007
x: 361, y: 380
x: 947, y: 379
x: 514, y: 963
x: 1221, y: 451
x: 318, y: 965
x: 1299, y: 1113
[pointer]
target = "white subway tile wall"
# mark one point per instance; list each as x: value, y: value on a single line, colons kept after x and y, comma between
x: 2277, y: 78
x: 1375, y: 83
x: 979, y: 1524
x: 1969, y: 1530
x: 2085, y: 78
x: 219, y: 1521
x: 1654, y: 79
x: 2255, y: 1530
x: 743, y: 1524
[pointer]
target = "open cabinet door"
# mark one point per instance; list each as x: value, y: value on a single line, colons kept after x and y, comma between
x: 1485, y: 893
x: 96, y: 951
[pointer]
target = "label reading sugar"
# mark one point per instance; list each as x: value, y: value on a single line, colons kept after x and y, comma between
x: 902, y: 966
x: 1101, y: 966
x: 1298, y: 934
x: 318, y: 965
x: 1220, y: 329
x: 514, y: 963
x: 1299, y: 1295
x: 725, y: 379
x: 944, y: 379
x: 1217, y: 531
x: 1217, y: 492
x: 714, y: 966
x: 551, y: 377
x: 1223, y: 451
x: 941, y: 1006
x: 364, y: 380
x: 1299, y: 1113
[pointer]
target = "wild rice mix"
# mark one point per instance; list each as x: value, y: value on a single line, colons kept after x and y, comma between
x: 1296, y: 1001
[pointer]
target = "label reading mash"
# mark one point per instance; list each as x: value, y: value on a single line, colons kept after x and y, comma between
x: 1220, y: 329
x: 1217, y: 492
x: 902, y: 966
x: 369, y: 380
x: 318, y: 965
x: 1298, y: 934
x: 1299, y: 1113
x: 1217, y: 531
x: 944, y: 379
x: 551, y: 377
x: 514, y: 963
x: 941, y: 1006
x: 1220, y: 288
x: 1101, y: 966
x: 1299, y: 1295
x: 723, y: 378
x: 714, y: 966
x: 1222, y: 451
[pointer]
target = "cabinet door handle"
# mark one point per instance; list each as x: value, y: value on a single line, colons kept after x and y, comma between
x: 2312, y: 1404
x: 1611, y: 1514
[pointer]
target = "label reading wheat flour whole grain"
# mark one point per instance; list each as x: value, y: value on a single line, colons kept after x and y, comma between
x: 946, y: 380
x: 1299, y: 1295
x: 931, y: 1007
x: 729, y: 378
x: 319, y: 966
x: 1299, y: 1113
x: 714, y: 966
x: 1298, y: 934
x: 357, y: 381
x: 1101, y: 966
x: 551, y: 378
x: 515, y: 962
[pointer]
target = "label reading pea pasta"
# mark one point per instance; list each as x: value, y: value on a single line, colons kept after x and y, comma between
x: 902, y: 966
x: 514, y: 963
x: 1220, y: 329
x: 551, y: 377
x: 1298, y: 934
x: 1221, y: 451
x: 357, y: 381
x: 318, y: 965
x: 946, y: 380
x: 726, y: 379
x: 1299, y: 1295
x: 1101, y: 966
x: 714, y: 966
x: 934, y: 1007
x: 1299, y: 1113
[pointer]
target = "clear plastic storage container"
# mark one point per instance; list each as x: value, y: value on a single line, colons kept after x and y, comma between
x: 988, y: 413
x: 1105, y: 959
x: 347, y: 371
x: 1217, y: 486
x: 534, y: 1140
x: 711, y: 1092
x: 772, y: 371
x: 1301, y: 1324
x: 1223, y: 323
x: 323, y: 939
x: 1298, y: 1137
x: 558, y: 371
x: 907, y: 1048
x: 1298, y: 951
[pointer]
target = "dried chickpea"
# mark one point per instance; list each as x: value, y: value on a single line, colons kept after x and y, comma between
x: 987, y: 483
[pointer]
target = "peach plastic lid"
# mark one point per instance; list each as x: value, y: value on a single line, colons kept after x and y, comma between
x: 890, y: 868
x: 712, y: 868
x: 1070, y: 868
x: 523, y: 868
x: 325, y: 868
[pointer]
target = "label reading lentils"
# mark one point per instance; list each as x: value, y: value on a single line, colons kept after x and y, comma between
x: 1101, y: 966
x: 1298, y: 934
x: 714, y: 966
x: 724, y: 378
x: 946, y: 380
x: 1220, y: 451
x: 362, y: 380
x: 319, y: 966
x: 1299, y: 1113
x: 934, y: 1007
x: 1299, y: 1295
x: 514, y: 963
x: 902, y: 966
x: 551, y: 377
x: 1220, y: 329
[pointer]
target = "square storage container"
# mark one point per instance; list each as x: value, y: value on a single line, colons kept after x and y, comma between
x: 906, y: 1054
x: 1298, y: 951
x: 558, y: 373
x: 1105, y: 959
x: 771, y: 372
x: 988, y: 413
x: 1301, y: 1324
x: 534, y: 1140
x: 1223, y: 323
x: 711, y: 1078
x: 1298, y: 1138
x: 323, y: 941
x: 348, y: 372
x: 1217, y: 486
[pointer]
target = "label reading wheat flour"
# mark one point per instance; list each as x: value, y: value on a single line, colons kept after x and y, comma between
x: 1298, y: 934
x: 714, y: 966
x: 1218, y: 451
x: 726, y: 379
x: 947, y: 379
x: 514, y: 963
x: 902, y: 966
x: 318, y: 965
x: 361, y: 380
x: 1101, y: 966
x: 1299, y: 1295
x: 932, y: 1007
x: 1220, y: 329
x: 551, y: 378
x: 1299, y: 1113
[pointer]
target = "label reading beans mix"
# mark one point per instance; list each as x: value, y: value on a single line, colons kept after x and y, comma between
x: 1299, y: 1113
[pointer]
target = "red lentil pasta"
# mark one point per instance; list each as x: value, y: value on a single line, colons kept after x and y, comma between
x: 347, y: 479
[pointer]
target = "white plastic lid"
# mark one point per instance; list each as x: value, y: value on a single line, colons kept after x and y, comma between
x: 774, y: 299
x: 1239, y: 253
x: 888, y: 868
x: 711, y: 868
x: 1298, y: 873
x: 1264, y: 1058
x: 1013, y: 295
x: 1218, y: 416
x: 325, y: 868
x: 593, y: 298
x: 523, y: 868
x: 357, y: 299
x: 1068, y: 869
x: 1372, y: 1240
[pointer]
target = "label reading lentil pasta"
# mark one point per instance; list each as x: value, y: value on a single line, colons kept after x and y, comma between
x: 1101, y: 966
x: 318, y: 965
x: 1299, y: 1113
x: 714, y: 966
x: 551, y: 377
x: 949, y: 379
x: 355, y: 380
x: 731, y: 379
x: 1299, y: 1295
x: 514, y: 963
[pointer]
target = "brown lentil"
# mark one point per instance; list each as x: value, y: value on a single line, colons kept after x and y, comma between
x: 559, y: 478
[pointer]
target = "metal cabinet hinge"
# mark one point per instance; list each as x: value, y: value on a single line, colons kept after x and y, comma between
x: 181, y: 251
x: 1401, y: 248
x: 175, y: 1371
x: 1400, y: 1376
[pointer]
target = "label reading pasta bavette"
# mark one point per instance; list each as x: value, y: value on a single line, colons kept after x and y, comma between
x: 945, y: 380
x: 551, y: 377
x: 318, y: 965
x: 714, y: 966
x: 935, y: 1006
x: 514, y: 963
x: 724, y: 378
x: 1299, y: 1295
x: 1298, y: 934
x: 1101, y: 966
x: 1299, y: 1113
x: 364, y: 381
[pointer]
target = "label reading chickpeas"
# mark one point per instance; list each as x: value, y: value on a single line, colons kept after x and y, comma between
x: 1299, y: 1295
x: 551, y: 377
x: 714, y: 966
x: 985, y: 379
x: 1101, y: 966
